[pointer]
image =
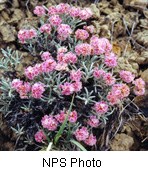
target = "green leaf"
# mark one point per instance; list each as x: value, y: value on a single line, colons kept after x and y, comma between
x: 78, y: 144
x: 60, y: 132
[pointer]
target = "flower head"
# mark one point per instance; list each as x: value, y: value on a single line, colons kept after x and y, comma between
x: 45, y: 28
x: 39, y: 11
x: 91, y: 140
x: 93, y: 121
x: 139, y: 88
x: 85, y: 14
x: 83, y: 49
x: 46, y: 55
x: 81, y: 34
x: 60, y: 117
x: 126, y: 76
x: 109, y: 79
x: 101, y: 107
x: 100, y: 45
x: 64, y: 31
x: 98, y: 73
x: 81, y: 134
x: 67, y: 88
x: 37, y: 90
x: 110, y: 60
x: 73, y: 117
x: 55, y: 20
x: 49, y: 122
x: 74, y: 11
x: 40, y: 136
x: 75, y: 75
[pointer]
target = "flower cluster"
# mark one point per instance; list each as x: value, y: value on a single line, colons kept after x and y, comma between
x: 24, y: 35
x: 127, y: 76
x: 22, y: 88
x: 64, y: 31
x: 82, y: 134
x: 118, y: 93
x: 139, y: 88
x: 76, y: 12
x: 82, y: 34
x: 73, y: 62
x: 40, y: 136
x: 39, y: 11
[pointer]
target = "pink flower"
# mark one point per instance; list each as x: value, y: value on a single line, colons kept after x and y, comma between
x: 126, y: 76
x: 110, y: 60
x: 49, y: 122
x: 62, y: 8
x: 75, y: 75
x: 98, y: 73
x: 16, y: 83
x: 93, y: 122
x: 81, y: 134
x: 60, y: 57
x: 81, y: 34
x: 74, y: 11
x: 55, y: 20
x: 100, y: 45
x: 73, y: 117
x: 40, y: 136
x: 101, y: 107
x: 48, y: 65
x: 70, y: 58
x: 61, y: 67
x: 83, y: 49
x: 85, y: 14
x: 45, y: 28
x: 60, y: 117
x: 67, y: 88
x: 77, y: 86
x: 90, y: 28
x: 25, y: 34
x: 62, y: 50
x: 37, y: 90
x: 22, y: 88
x: 38, y: 68
x: 39, y: 11
x: 109, y: 79
x: 64, y: 30
x: 91, y: 140
x: 31, y: 72
x: 46, y: 55
x: 139, y: 83
x: 139, y: 88
x: 139, y: 92
x: 120, y: 91
x: 52, y: 10
x: 112, y: 98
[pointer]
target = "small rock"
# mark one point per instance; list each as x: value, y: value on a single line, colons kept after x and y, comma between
x: 8, y: 32
x: 17, y: 16
x: 122, y: 142
x: 104, y: 31
x: 142, y: 38
x: 5, y: 15
x: 95, y: 10
x: 2, y: 7
x: 3, y: 1
x: 136, y: 4
x: 143, y: 59
x: 15, y: 4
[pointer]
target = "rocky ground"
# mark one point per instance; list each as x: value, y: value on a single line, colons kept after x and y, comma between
x: 124, y: 22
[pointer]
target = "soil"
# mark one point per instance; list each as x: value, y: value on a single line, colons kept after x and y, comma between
x: 124, y: 22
